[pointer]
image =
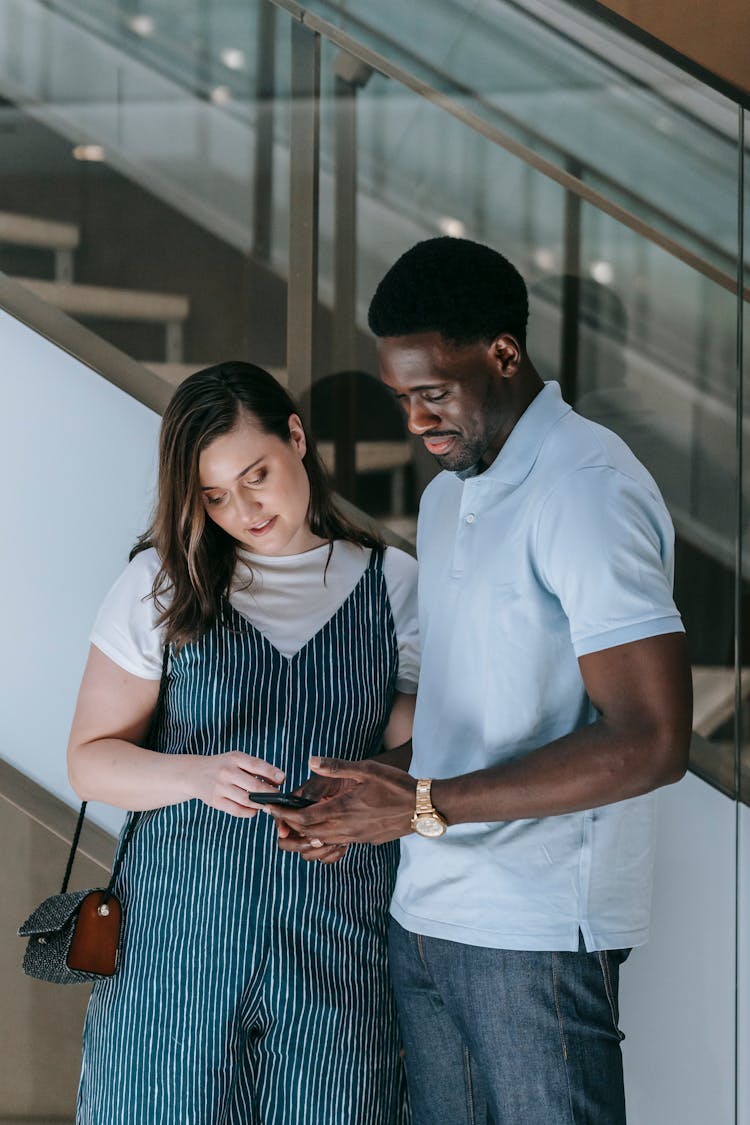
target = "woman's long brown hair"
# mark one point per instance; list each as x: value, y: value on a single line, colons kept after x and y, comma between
x: 197, y: 557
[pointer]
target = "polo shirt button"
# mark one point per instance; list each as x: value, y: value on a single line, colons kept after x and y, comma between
x: 470, y: 518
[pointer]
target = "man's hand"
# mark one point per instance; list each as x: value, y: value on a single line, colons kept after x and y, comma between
x: 375, y: 806
x: 316, y: 789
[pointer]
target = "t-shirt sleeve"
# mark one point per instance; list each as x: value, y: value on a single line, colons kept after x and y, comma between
x: 125, y: 629
x: 605, y: 549
x: 400, y: 572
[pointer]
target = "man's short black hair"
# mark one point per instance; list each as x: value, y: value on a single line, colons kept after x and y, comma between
x: 465, y: 291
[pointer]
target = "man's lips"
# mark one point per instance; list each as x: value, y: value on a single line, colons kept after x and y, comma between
x: 439, y: 444
x: 263, y: 528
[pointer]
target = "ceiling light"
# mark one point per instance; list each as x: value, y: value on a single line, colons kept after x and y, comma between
x: 220, y: 95
x: 602, y: 272
x: 233, y: 58
x: 141, y: 24
x: 89, y: 152
x: 454, y: 228
x: 544, y: 259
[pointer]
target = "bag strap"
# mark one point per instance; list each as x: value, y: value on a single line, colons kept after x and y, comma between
x: 134, y: 817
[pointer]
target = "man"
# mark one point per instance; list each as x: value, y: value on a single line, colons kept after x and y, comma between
x: 554, y: 697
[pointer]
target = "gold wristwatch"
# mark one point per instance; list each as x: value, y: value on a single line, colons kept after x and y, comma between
x: 427, y: 821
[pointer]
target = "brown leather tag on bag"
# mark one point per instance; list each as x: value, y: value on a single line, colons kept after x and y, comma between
x: 96, y: 937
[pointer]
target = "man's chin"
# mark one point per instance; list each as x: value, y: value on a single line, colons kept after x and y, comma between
x: 456, y: 462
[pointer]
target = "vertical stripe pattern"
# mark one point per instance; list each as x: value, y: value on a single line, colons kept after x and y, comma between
x: 253, y: 987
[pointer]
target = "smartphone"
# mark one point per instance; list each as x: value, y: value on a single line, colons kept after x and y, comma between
x: 285, y: 800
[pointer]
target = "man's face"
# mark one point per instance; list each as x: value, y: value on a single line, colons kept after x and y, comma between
x: 453, y: 396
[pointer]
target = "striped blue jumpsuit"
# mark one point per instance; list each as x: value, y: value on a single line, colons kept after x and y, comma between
x: 253, y: 986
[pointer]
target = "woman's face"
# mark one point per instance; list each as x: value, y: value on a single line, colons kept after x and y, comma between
x: 255, y: 487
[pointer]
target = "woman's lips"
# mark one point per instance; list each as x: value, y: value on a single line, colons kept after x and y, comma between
x: 263, y: 528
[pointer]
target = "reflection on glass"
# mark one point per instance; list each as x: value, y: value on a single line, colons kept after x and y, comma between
x: 165, y: 183
x: 674, y: 406
x: 744, y: 351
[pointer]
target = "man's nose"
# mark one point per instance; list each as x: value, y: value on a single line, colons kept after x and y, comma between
x: 421, y: 418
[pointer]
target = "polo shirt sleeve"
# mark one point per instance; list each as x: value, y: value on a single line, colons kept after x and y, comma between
x: 125, y: 629
x: 604, y: 548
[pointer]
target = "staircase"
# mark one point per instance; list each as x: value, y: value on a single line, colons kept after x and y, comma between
x: 171, y: 312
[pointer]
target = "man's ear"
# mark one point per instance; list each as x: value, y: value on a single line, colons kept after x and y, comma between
x: 297, y: 434
x: 505, y: 352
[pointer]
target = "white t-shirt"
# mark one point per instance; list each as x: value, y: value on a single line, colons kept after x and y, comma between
x: 288, y: 601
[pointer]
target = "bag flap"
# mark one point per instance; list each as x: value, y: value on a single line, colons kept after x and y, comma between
x: 53, y: 913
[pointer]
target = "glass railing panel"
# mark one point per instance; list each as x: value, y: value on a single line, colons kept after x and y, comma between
x: 360, y: 429
x: 641, y: 342
x: 209, y: 48
x: 743, y: 765
x: 674, y: 405
x: 616, y: 115
x: 177, y: 204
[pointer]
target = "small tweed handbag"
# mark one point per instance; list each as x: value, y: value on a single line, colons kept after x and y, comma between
x: 74, y: 936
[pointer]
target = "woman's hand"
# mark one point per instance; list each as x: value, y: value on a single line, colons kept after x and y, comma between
x: 107, y: 761
x: 223, y: 781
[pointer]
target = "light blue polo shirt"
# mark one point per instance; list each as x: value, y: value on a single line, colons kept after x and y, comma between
x: 562, y: 547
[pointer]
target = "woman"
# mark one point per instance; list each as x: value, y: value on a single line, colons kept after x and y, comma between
x: 252, y: 985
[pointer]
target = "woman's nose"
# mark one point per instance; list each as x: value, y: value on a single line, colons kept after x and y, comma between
x: 249, y: 504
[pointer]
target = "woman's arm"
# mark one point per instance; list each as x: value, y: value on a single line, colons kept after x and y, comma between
x: 107, y: 762
x: 397, y: 735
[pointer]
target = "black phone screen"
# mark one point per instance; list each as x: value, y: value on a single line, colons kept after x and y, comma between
x: 285, y: 800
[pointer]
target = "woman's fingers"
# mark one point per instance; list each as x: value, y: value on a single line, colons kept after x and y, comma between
x: 260, y: 769
x: 227, y: 780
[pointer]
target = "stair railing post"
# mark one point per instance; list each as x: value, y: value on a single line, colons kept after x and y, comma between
x: 304, y: 155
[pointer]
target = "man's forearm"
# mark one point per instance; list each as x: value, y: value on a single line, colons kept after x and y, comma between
x: 593, y: 766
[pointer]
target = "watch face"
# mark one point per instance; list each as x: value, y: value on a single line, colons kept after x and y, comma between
x: 428, y: 826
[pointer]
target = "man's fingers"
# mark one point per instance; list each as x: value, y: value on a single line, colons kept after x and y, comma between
x: 324, y: 853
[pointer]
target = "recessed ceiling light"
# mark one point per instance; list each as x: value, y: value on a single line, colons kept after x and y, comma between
x: 141, y: 24
x: 454, y: 228
x: 220, y: 95
x: 544, y: 258
x: 233, y: 58
x: 602, y: 272
x: 89, y: 152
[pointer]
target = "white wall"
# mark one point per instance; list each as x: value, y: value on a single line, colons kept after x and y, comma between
x: 678, y: 992
x: 78, y: 465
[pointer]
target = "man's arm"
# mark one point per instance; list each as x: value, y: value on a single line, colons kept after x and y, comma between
x: 642, y: 691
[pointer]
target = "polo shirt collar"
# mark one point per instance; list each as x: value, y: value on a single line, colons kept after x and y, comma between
x: 516, y: 458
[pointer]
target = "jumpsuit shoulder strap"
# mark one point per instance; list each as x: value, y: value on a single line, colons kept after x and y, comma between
x: 376, y: 558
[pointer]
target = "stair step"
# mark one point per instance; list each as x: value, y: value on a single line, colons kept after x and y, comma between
x: 174, y: 373
x: 26, y: 230
x: 404, y: 526
x: 114, y: 304
x: 370, y: 456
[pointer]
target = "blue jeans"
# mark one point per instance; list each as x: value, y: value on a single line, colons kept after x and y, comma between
x: 506, y: 1036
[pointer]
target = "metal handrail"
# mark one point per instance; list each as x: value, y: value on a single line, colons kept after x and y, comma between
x: 567, y: 180
x: 571, y: 159
x: 108, y: 361
x: 54, y: 815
